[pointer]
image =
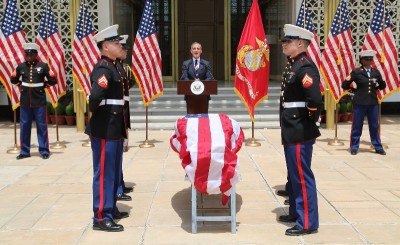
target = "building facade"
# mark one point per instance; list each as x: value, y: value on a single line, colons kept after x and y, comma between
x: 217, y: 24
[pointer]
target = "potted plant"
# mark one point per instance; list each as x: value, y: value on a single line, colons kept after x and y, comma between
x: 342, y: 112
x: 337, y: 112
x: 60, y: 111
x: 349, y: 110
x: 69, y: 114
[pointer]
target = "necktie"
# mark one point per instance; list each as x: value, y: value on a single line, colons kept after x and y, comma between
x: 196, y: 66
x: 369, y: 73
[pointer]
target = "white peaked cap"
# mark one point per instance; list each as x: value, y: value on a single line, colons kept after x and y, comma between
x: 297, y: 31
x: 367, y: 53
x: 124, y: 38
x: 30, y: 46
x: 109, y: 33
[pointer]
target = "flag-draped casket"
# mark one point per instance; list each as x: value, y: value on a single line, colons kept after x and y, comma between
x: 207, y: 145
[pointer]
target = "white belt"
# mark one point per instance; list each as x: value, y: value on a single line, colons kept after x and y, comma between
x: 294, y: 104
x: 31, y: 85
x: 111, y: 102
x: 126, y: 98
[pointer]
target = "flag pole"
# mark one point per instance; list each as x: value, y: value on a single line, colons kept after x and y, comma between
x: 379, y: 127
x: 58, y: 144
x: 252, y: 142
x: 87, y: 143
x: 14, y: 149
x: 336, y: 141
x: 146, y: 143
x: 382, y: 61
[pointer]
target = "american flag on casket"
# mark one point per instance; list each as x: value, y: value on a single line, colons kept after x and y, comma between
x: 207, y: 145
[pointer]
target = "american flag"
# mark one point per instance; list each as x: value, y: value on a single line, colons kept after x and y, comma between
x: 52, y: 52
x: 146, y: 58
x: 382, y: 41
x: 11, y: 51
x: 85, y: 53
x: 338, y: 57
x: 304, y: 20
x: 207, y: 145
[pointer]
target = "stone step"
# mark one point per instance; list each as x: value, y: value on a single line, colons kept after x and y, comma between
x: 166, y: 109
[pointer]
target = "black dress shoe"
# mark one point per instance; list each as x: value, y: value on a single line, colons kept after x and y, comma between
x: 121, y: 215
x: 287, y: 218
x: 107, y: 225
x: 353, y: 152
x: 123, y: 197
x: 297, y: 231
x: 45, y: 156
x: 382, y: 152
x: 282, y: 193
x: 127, y: 189
x: 286, y: 202
x: 20, y: 156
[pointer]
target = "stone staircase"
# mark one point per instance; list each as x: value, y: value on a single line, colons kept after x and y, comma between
x: 166, y: 109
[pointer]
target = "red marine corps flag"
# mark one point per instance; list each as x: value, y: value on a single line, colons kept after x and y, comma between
x: 252, y: 62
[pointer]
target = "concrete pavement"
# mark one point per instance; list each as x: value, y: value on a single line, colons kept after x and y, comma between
x: 49, y: 201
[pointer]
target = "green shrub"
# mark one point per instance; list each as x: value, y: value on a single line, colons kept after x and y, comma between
x: 60, y: 109
x: 349, y: 106
x: 50, y: 108
x: 69, y: 109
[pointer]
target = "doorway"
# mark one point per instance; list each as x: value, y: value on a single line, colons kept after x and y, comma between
x: 202, y: 21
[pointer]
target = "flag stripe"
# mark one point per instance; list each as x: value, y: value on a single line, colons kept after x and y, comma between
x: 304, y: 20
x: 146, y: 57
x: 51, y: 51
x: 380, y: 35
x: 85, y: 53
x: 207, y: 145
x: 204, y: 156
x: 11, y: 51
x: 337, y: 60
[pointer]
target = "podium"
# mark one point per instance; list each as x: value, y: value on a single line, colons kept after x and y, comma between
x: 197, y: 94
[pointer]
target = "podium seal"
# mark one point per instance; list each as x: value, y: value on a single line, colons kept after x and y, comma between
x: 197, y: 87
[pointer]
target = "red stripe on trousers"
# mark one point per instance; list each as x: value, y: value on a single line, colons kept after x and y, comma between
x: 303, y: 185
x: 101, y: 184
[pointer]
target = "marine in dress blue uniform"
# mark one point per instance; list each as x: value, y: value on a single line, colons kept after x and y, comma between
x: 122, y: 189
x: 106, y: 129
x: 300, y: 107
x: 196, y: 68
x: 365, y: 81
x: 32, y: 77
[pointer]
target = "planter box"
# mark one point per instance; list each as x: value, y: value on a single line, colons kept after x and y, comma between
x: 70, y: 120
